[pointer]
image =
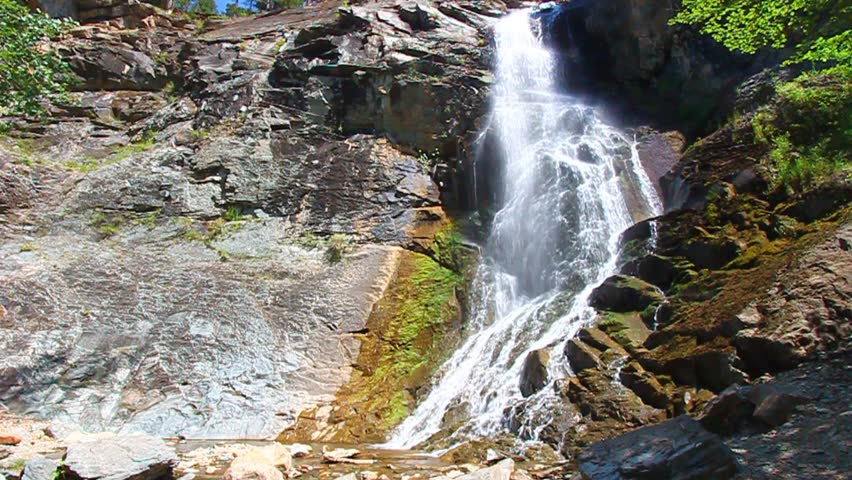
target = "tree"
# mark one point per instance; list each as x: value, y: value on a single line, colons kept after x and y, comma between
x: 821, y: 30
x: 207, y: 7
x: 235, y: 10
x: 30, y: 69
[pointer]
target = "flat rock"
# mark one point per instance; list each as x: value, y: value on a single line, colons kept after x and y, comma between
x: 677, y: 449
x: 40, y: 468
x: 120, y: 457
x: 500, y: 471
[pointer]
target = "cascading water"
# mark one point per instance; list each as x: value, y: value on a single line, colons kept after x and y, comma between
x: 565, y: 174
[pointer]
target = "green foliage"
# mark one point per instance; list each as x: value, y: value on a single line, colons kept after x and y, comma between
x: 448, y: 248
x: 30, y: 69
x: 235, y: 10
x: 205, y: 7
x: 27, y: 247
x: 126, y: 151
x: 809, y: 132
x: 338, y: 245
x: 820, y: 29
x: 107, y: 225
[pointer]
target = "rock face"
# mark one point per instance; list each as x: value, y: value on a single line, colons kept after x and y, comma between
x: 219, y: 211
x: 628, y: 48
x: 679, y: 448
x: 122, y: 457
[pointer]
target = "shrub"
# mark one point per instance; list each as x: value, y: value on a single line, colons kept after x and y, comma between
x: 30, y: 69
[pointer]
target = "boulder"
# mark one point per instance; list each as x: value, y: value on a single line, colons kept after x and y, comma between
x: 40, y: 468
x: 677, y: 449
x: 645, y: 385
x: 581, y: 356
x: 772, y: 406
x: 500, y: 471
x: 729, y: 410
x: 117, y: 457
x: 9, y: 439
x: 534, y: 372
x: 243, y: 468
x: 621, y: 293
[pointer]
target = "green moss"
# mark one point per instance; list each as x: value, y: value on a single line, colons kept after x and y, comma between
x: 28, y: 247
x: 448, y: 248
x: 420, y: 307
x: 121, y: 153
x: 338, y: 245
x: 107, y: 224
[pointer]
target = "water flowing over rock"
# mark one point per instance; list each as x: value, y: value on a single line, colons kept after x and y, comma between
x: 564, y: 172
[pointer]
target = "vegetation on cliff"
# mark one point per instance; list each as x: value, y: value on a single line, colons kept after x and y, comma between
x: 30, y: 69
x: 819, y: 29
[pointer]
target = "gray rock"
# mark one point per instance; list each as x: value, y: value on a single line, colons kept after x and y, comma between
x: 121, y: 457
x: 40, y: 468
x: 677, y: 449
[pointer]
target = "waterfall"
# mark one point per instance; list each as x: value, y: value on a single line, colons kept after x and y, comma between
x: 563, y: 205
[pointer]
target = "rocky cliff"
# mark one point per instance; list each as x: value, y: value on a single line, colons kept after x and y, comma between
x: 240, y: 226
x: 197, y: 242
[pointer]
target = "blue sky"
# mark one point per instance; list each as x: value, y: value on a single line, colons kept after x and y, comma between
x: 221, y: 4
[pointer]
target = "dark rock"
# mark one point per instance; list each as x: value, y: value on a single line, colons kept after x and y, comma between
x: 774, y: 407
x: 627, y: 329
x: 621, y: 293
x: 654, y: 269
x: 121, y: 457
x: 659, y: 152
x: 534, y: 372
x: 644, y: 385
x: 581, y: 356
x: 677, y: 449
x: 712, y: 254
x: 40, y: 468
x: 728, y: 411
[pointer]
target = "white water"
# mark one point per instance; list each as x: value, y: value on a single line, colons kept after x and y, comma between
x: 554, y: 239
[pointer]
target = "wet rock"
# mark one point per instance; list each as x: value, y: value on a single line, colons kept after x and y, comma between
x: 621, y: 293
x: 120, y: 457
x: 297, y: 450
x: 728, y: 411
x: 338, y: 454
x: 654, y: 269
x: 658, y: 152
x: 599, y: 340
x: 40, y: 468
x: 581, y: 356
x: 712, y: 254
x: 645, y: 385
x: 627, y: 329
x: 679, y: 448
x: 534, y: 372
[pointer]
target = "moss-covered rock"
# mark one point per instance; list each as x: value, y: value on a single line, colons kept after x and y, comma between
x: 621, y: 293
